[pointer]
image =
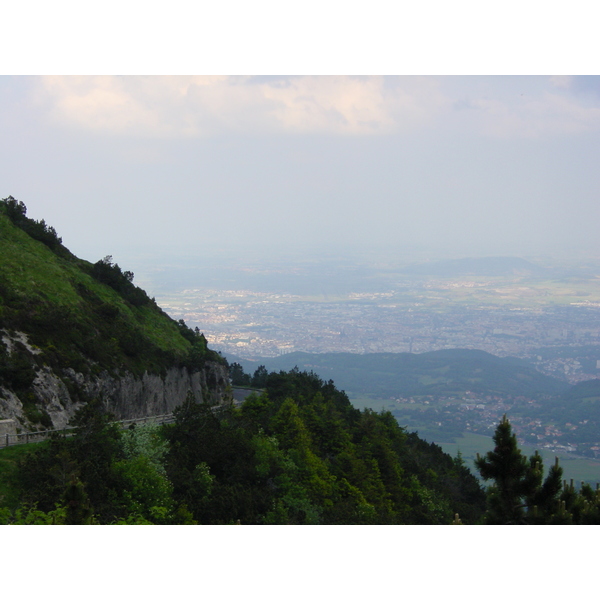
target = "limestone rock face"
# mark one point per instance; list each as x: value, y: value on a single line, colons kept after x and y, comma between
x: 7, y: 428
x: 126, y: 396
x: 10, y: 405
x: 129, y: 397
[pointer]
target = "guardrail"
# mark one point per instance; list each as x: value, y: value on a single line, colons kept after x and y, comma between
x: 31, y: 437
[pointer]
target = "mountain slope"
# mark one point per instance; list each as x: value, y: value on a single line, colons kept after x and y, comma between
x: 75, y: 322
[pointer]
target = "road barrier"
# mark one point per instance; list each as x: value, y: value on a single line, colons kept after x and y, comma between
x: 13, y: 439
x: 30, y: 437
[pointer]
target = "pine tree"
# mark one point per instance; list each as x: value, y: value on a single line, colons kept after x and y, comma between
x: 518, y: 495
x: 79, y: 511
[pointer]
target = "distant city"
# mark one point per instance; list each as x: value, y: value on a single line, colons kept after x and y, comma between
x: 554, y: 323
x: 547, y: 313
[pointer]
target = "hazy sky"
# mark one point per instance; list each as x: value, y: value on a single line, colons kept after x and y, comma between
x: 455, y: 165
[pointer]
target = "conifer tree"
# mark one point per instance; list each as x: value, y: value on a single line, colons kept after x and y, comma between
x: 79, y: 511
x: 511, y: 474
x: 518, y: 495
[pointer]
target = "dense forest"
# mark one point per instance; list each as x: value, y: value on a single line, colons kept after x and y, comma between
x: 295, y: 453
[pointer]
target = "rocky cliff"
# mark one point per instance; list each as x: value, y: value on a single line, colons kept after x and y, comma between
x: 53, y: 398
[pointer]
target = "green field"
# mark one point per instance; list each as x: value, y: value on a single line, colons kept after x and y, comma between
x: 578, y: 469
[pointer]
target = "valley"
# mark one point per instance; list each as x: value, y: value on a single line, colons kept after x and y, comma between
x: 552, y: 322
x: 547, y: 314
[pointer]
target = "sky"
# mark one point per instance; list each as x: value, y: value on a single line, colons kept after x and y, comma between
x: 178, y: 165
x: 441, y: 161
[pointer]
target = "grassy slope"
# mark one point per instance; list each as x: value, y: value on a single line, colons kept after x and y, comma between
x: 32, y: 278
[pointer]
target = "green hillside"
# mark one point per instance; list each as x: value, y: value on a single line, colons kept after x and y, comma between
x: 72, y: 309
x: 577, y: 413
x: 299, y: 453
x: 442, y: 372
x: 77, y: 315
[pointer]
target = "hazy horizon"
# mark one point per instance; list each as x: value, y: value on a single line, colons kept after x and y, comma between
x: 164, y: 168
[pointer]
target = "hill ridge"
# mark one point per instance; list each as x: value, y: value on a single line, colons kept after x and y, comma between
x: 403, y: 373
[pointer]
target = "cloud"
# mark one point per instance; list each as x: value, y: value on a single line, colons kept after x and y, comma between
x: 561, y: 81
x: 189, y: 107
x: 355, y: 105
x: 527, y: 107
x: 550, y: 114
x: 196, y: 106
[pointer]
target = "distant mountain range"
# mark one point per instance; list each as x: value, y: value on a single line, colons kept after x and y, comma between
x: 442, y: 372
x: 493, y: 266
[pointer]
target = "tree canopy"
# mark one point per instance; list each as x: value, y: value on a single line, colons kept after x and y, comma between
x: 296, y: 453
